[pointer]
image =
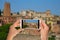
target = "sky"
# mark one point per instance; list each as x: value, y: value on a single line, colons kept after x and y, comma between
x: 36, y: 5
x: 31, y: 21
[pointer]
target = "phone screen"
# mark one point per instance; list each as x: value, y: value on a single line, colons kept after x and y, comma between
x: 30, y: 23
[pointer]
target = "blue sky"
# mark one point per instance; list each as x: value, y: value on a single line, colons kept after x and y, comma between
x: 36, y: 5
x: 32, y: 21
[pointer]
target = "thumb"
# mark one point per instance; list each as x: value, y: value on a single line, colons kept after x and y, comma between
x: 41, y: 26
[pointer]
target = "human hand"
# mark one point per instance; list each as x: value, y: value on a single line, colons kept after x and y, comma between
x: 44, y: 30
x: 13, y: 31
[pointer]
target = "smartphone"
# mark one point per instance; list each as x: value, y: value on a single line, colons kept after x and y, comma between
x: 30, y: 23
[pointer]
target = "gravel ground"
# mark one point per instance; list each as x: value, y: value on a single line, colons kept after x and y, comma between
x: 26, y: 37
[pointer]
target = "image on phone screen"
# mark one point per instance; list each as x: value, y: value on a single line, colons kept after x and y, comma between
x: 29, y: 23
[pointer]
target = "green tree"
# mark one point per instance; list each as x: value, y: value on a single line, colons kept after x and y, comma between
x: 0, y: 12
x: 17, y: 13
x: 11, y: 13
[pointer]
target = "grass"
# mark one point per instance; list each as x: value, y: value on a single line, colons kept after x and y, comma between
x: 4, y: 29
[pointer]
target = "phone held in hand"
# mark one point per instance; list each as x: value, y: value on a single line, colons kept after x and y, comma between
x: 29, y: 23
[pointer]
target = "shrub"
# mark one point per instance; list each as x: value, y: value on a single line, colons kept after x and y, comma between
x: 52, y: 37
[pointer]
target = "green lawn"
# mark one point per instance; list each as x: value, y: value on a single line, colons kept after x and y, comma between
x: 4, y: 29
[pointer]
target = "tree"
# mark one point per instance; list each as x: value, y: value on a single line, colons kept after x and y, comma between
x: 17, y: 13
x: 0, y: 12
x: 11, y: 13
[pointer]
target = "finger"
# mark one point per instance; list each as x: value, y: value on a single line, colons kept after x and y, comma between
x: 41, y: 27
x: 17, y: 21
x: 43, y: 24
x: 18, y: 25
x: 13, y: 26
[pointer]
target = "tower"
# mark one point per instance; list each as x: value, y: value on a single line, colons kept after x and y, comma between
x: 7, y: 9
x: 6, y: 13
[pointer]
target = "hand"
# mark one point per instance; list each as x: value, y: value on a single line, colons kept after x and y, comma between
x: 44, y: 30
x: 13, y: 32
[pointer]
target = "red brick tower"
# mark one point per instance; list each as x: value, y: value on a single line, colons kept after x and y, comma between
x: 7, y: 9
x: 6, y: 13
